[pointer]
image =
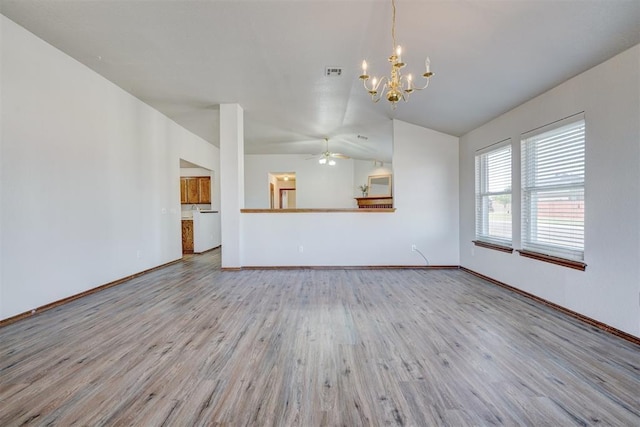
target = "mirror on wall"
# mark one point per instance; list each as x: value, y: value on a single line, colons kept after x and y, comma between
x: 379, y: 185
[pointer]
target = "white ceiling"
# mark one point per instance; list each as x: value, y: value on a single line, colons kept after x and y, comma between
x: 186, y: 57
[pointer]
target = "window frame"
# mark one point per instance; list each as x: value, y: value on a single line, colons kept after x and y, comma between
x: 481, y: 172
x: 560, y: 250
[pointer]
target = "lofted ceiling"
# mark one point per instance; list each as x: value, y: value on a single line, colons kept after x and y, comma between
x: 185, y: 58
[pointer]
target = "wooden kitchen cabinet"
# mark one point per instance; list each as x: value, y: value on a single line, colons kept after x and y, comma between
x: 187, y: 236
x: 183, y: 191
x: 204, y: 189
x: 195, y: 190
x: 193, y: 195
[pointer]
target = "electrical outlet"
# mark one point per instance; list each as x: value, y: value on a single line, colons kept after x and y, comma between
x: 413, y: 248
x: 300, y: 248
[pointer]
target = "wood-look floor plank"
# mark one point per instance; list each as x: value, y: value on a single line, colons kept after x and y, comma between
x: 192, y: 345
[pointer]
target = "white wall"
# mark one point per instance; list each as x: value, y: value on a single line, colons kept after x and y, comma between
x: 71, y: 138
x: 425, y: 165
x: 195, y: 172
x: 317, y: 186
x: 426, y: 197
x: 609, y: 289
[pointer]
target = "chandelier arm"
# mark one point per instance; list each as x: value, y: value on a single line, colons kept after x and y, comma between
x: 376, y: 94
x: 384, y: 79
x: 423, y: 87
x: 372, y: 91
x: 377, y: 85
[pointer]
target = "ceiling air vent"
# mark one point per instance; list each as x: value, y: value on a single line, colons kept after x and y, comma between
x: 333, y: 71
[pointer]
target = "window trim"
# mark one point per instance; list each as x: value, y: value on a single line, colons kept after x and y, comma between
x: 531, y: 252
x: 564, y: 262
x: 504, y: 245
x: 493, y: 246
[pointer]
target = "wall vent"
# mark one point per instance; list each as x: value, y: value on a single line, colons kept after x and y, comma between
x: 333, y: 71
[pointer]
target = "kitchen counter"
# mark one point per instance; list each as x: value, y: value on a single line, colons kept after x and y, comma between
x: 188, y: 215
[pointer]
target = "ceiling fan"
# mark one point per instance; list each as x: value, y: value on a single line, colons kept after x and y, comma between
x: 326, y: 157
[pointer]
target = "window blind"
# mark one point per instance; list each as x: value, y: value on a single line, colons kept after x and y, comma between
x: 493, y: 196
x: 553, y: 170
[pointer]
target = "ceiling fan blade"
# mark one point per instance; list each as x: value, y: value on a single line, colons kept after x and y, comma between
x: 314, y: 156
x: 339, y: 156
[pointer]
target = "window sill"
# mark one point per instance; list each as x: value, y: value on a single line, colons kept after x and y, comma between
x: 492, y: 246
x: 577, y: 265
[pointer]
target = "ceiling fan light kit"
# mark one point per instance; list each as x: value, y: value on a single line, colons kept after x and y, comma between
x: 327, y: 161
x: 397, y: 86
x: 326, y: 157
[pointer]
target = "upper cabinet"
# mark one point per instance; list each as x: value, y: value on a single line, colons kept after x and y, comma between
x: 193, y: 193
x: 195, y: 190
x: 204, y: 189
x: 183, y: 191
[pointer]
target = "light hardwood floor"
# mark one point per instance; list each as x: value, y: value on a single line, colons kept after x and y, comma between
x: 192, y: 345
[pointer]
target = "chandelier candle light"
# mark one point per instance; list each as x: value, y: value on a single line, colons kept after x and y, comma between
x: 397, y: 87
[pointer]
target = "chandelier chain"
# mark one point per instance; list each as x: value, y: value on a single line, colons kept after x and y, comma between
x: 393, y: 25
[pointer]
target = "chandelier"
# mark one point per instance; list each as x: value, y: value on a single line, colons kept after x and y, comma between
x: 398, y: 86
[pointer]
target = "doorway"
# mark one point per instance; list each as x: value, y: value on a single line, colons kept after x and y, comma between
x: 287, y: 198
x: 199, y: 198
x: 282, y: 190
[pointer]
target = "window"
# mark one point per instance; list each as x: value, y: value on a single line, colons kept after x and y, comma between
x: 493, y: 196
x: 553, y: 165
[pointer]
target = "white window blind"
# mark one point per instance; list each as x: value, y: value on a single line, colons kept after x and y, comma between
x: 493, y: 196
x: 553, y: 166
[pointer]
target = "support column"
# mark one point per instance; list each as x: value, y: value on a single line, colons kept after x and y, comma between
x: 231, y: 183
